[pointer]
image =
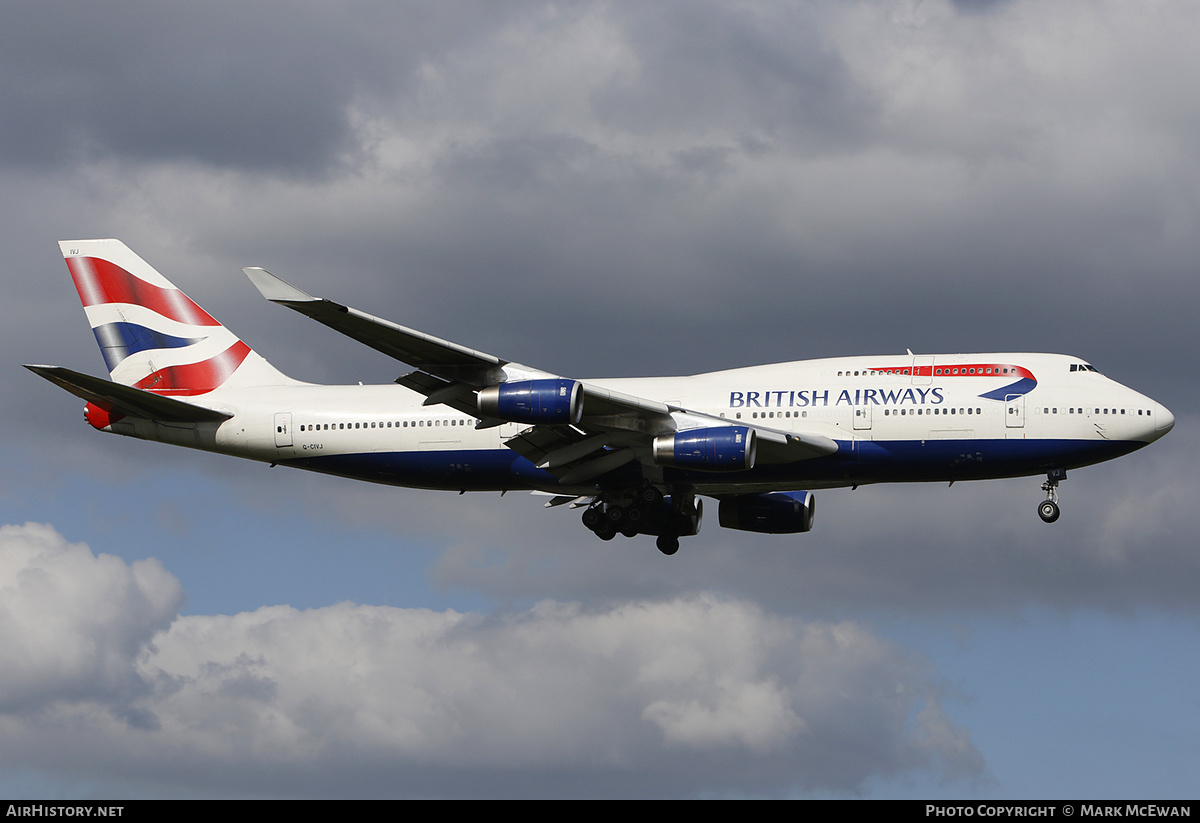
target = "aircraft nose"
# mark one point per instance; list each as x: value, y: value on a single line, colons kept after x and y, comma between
x: 1164, y: 421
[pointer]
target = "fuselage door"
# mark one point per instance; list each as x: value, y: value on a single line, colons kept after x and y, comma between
x: 1014, y: 411
x: 862, y: 417
x: 922, y: 369
x: 283, y: 429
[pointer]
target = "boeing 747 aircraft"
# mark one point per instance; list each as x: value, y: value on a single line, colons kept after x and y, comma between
x: 637, y: 455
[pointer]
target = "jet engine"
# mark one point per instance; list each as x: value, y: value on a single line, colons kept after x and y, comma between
x: 715, y: 449
x: 770, y: 513
x: 676, y: 517
x: 553, y: 400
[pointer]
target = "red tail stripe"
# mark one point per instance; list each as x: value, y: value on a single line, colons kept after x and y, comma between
x: 196, y: 378
x: 99, y: 281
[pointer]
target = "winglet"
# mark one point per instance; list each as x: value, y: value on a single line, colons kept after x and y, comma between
x: 276, y: 289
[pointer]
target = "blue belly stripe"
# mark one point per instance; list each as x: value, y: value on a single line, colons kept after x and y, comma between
x: 858, y: 462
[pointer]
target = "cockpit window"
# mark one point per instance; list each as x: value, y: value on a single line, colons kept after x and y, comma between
x: 1083, y: 367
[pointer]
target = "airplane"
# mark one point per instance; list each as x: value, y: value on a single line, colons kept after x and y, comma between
x: 638, y: 455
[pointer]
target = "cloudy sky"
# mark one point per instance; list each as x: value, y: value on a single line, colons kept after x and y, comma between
x: 602, y: 189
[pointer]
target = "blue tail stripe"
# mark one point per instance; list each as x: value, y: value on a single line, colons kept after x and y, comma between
x: 119, y: 340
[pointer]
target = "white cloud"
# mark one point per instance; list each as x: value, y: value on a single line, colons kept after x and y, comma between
x: 71, y: 622
x: 701, y: 693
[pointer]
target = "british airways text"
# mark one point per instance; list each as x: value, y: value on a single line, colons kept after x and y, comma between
x: 817, y: 397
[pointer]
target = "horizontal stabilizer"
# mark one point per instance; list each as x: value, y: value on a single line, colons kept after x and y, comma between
x: 126, y: 399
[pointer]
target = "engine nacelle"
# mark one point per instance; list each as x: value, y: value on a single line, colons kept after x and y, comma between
x: 682, y: 520
x: 715, y: 449
x: 772, y: 513
x: 553, y: 400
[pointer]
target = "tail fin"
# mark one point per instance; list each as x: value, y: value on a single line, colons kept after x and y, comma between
x: 151, y: 334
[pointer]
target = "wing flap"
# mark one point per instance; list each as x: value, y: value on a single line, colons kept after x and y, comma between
x: 456, y: 395
x: 571, y: 455
x: 535, y: 444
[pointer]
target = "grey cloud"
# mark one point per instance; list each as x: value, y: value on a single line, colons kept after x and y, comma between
x: 151, y: 84
x: 245, y: 86
x: 764, y: 70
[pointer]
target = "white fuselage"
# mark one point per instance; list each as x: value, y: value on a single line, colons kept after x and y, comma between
x: 894, y: 418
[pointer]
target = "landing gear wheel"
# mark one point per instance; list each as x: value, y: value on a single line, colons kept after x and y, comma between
x: 605, y: 531
x: 617, y: 517
x: 592, y: 517
x: 650, y: 497
x: 668, y: 544
x: 1048, y: 511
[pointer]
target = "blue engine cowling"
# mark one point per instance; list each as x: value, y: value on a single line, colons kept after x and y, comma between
x: 675, y: 517
x: 715, y: 449
x: 553, y: 400
x: 772, y: 513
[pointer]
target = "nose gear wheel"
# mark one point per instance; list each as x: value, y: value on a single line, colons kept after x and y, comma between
x: 1048, y: 509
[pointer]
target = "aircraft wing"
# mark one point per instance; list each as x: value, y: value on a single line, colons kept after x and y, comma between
x: 615, y: 428
x: 451, y: 363
x: 441, y: 358
x: 116, y: 397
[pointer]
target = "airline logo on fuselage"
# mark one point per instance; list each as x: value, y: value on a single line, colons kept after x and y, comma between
x: 914, y: 396
x: 1025, y: 381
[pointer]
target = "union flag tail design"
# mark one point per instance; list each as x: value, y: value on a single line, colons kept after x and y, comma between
x: 152, y: 335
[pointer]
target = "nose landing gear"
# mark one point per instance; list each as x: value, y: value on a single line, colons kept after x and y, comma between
x: 1048, y: 508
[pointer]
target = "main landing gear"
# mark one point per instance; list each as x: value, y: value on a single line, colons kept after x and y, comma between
x: 1048, y: 509
x: 628, y: 515
x: 644, y: 510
